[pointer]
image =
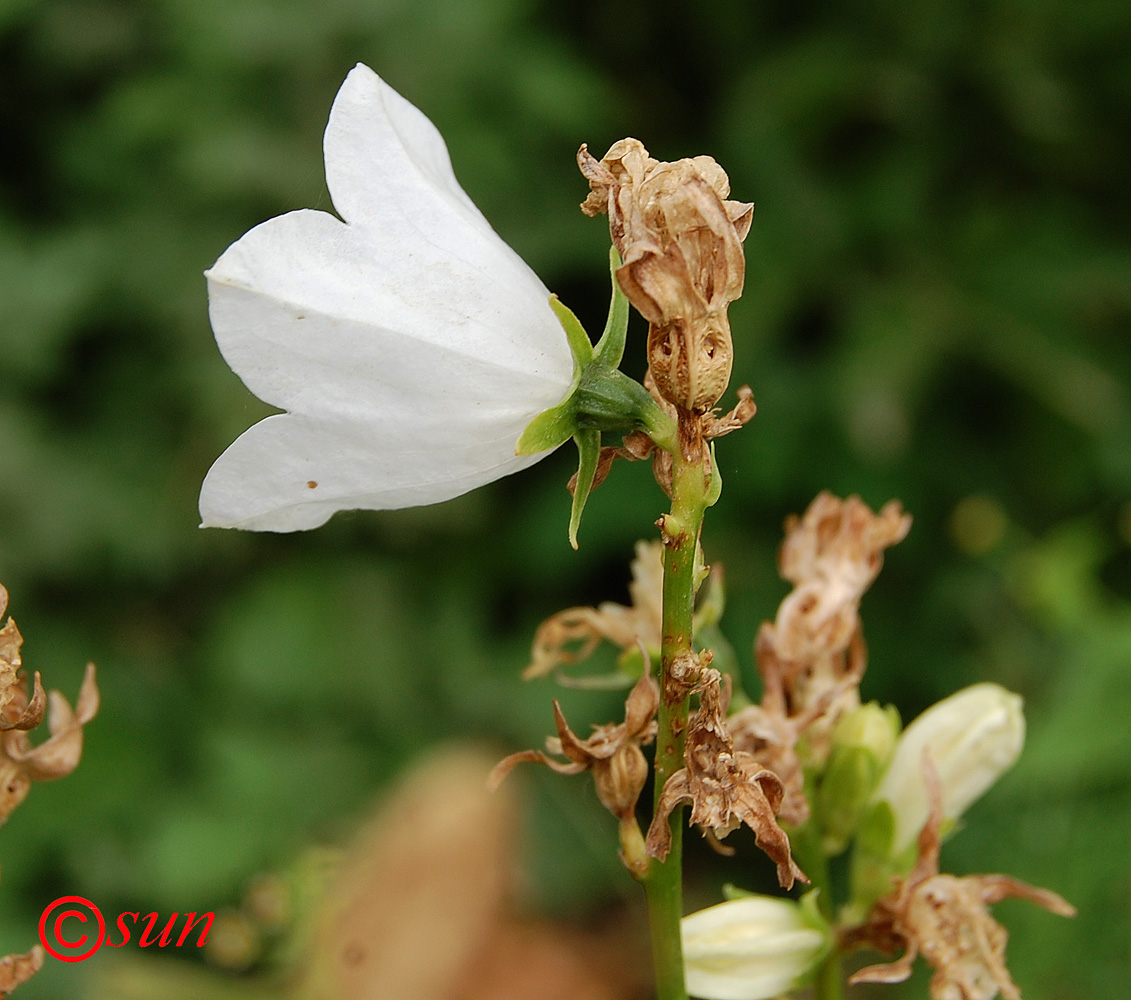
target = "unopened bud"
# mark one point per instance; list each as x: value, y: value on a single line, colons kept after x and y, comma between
x: 752, y: 948
x: 862, y: 745
x: 972, y: 738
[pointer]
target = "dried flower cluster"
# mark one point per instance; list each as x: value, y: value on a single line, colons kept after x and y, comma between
x: 21, y: 762
x: 946, y: 919
x: 724, y: 786
x: 681, y: 245
x: 572, y: 635
x: 812, y: 656
x: 612, y: 754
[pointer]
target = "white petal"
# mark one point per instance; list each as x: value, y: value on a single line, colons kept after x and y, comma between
x: 313, y: 316
x: 379, y: 146
x: 751, y: 948
x: 410, y: 344
x: 304, y: 470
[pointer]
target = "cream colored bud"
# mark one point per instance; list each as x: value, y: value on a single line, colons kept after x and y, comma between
x: 751, y: 948
x: 972, y: 738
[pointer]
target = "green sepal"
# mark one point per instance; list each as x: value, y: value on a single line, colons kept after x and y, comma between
x: 610, y: 348
x: 862, y: 744
x: 732, y: 891
x: 588, y: 451
x: 846, y: 786
x: 810, y: 907
x: 550, y: 429
x: 872, y: 869
x: 715, y: 486
x: 601, y: 399
x: 579, y: 344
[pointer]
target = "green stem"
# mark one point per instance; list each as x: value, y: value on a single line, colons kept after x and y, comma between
x: 664, y: 882
x: 830, y: 978
x: 810, y: 854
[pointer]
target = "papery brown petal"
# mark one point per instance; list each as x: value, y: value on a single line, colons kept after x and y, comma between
x: 659, y: 840
x: 89, y: 698
x: 10, y: 641
x: 890, y: 972
x: 641, y: 706
x: 556, y: 633
x: 14, y: 786
x: 32, y: 713
x: 741, y: 215
x: 759, y: 802
x: 18, y: 969
x: 60, y: 754
x: 995, y: 888
x: 500, y: 771
x: 572, y: 747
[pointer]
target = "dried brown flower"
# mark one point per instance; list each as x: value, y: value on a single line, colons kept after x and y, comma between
x: 17, y: 711
x: 812, y: 657
x: 945, y: 919
x: 681, y: 245
x: 18, y: 969
x: 612, y: 753
x: 724, y: 786
x: 570, y: 636
x: 21, y: 763
x: 770, y: 738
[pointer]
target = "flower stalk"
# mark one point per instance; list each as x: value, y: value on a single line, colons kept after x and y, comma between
x: 692, y: 489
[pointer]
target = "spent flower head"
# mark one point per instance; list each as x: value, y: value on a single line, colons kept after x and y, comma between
x: 409, y: 345
x: 724, y: 786
x: 612, y: 753
x: 681, y: 243
x: 21, y: 761
x: 945, y: 918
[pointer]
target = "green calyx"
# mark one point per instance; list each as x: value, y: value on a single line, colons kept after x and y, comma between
x: 601, y: 399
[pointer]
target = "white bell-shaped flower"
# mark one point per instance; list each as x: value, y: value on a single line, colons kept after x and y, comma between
x: 409, y: 345
x: 752, y: 948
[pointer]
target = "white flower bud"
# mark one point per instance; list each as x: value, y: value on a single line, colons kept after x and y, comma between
x: 972, y: 738
x: 752, y: 948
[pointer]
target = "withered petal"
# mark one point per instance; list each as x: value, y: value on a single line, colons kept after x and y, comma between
x: 889, y: 972
x: 500, y: 771
x: 32, y: 713
x: 18, y: 969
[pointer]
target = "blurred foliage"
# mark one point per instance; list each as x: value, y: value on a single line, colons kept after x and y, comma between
x: 938, y: 308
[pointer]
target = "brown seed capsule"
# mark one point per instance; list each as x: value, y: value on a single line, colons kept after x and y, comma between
x: 681, y: 244
x: 691, y: 362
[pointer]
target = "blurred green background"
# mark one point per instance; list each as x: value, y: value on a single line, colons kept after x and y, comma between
x: 937, y: 308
